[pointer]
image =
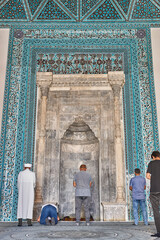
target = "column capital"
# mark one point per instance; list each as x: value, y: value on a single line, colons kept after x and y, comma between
x: 116, y: 78
x: 44, y: 91
x: 116, y: 89
x: 44, y: 79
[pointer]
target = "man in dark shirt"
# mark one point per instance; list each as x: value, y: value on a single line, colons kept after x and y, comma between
x: 153, y: 173
x: 137, y: 186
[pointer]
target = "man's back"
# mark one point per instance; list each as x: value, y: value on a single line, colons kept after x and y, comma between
x: 26, y: 184
x: 154, y: 170
x: 26, y: 177
x: 82, y: 180
x: 138, y: 183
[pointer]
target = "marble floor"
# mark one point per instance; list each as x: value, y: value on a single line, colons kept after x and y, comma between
x: 68, y: 230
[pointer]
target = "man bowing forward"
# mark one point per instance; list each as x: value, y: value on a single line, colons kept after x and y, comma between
x: 26, y: 184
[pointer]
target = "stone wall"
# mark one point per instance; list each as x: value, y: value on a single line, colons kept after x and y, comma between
x: 61, y: 106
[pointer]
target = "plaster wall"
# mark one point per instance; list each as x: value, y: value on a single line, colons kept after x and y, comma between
x: 4, y: 36
x: 155, y: 38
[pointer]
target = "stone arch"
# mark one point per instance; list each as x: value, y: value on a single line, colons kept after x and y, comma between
x: 78, y: 145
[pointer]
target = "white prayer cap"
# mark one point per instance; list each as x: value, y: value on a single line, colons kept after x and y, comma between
x: 27, y: 165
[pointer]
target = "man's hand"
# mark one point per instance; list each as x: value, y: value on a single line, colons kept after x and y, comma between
x: 74, y: 184
x: 38, y: 220
x: 148, y: 176
x: 130, y: 188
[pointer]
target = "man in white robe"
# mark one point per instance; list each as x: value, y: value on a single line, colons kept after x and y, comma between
x: 26, y: 184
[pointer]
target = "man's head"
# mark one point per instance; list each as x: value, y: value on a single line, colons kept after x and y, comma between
x: 155, y: 155
x: 83, y: 167
x: 137, y: 171
x: 27, y: 165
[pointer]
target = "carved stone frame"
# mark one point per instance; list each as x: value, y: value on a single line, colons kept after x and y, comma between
x: 113, y: 81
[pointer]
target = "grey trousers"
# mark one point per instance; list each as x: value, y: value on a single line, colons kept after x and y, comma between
x: 155, y: 201
x: 78, y: 204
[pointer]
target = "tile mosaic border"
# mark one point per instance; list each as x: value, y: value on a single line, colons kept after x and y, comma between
x: 18, y: 115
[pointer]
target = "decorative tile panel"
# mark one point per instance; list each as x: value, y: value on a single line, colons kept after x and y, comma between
x: 52, y: 11
x: 13, y: 9
x: 124, y: 5
x: 79, y: 63
x: 77, y: 10
x: 105, y: 11
x: 145, y: 9
x: 33, y: 5
x: 94, y: 48
x: 88, y: 5
x: 72, y: 5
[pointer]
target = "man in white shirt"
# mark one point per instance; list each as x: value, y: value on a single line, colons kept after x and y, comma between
x: 26, y: 185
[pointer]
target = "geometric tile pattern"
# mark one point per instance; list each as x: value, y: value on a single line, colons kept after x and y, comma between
x: 88, y: 5
x: 78, y: 11
x: 40, y: 47
x: 13, y: 9
x: 105, y: 11
x: 124, y: 5
x: 71, y: 5
x: 33, y: 5
x: 146, y: 9
x: 52, y: 11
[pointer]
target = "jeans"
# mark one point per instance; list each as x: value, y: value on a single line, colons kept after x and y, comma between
x: 143, y: 208
x: 48, y: 211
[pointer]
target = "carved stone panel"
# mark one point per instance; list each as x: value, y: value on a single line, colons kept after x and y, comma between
x: 78, y: 146
x: 93, y: 101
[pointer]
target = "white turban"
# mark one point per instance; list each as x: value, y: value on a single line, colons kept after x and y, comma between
x: 27, y: 165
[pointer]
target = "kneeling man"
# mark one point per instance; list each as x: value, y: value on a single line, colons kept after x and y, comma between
x: 48, y: 215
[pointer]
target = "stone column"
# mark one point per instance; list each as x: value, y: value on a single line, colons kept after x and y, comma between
x: 43, y: 83
x: 117, y: 80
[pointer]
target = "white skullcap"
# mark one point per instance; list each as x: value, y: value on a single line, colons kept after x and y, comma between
x: 29, y: 165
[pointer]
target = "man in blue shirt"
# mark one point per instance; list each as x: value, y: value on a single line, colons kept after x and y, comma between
x: 137, y: 186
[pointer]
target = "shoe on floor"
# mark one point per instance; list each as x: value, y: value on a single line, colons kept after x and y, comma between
x: 77, y: 224
x: 87, y: 224
x: 29, y: 222
x: 53, y: 221
x: 156, y: 235
x: 47, y: 222
x: 20, y: 222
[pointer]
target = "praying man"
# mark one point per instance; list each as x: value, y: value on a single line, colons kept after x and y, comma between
x: 26, y: 185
